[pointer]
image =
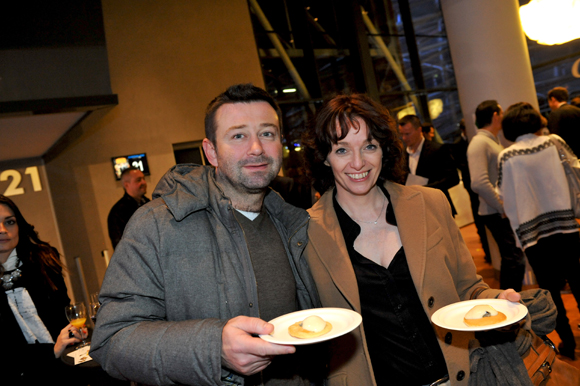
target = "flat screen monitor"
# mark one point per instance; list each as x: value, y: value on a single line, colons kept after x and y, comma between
x: 123, y: 162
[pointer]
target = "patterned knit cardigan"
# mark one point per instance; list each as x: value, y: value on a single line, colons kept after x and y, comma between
x: 533, y: 186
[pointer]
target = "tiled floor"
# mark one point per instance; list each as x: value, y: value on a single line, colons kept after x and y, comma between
x: 487, y: 272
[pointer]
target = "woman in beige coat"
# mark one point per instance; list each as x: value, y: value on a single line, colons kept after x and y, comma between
x: 390, y: 252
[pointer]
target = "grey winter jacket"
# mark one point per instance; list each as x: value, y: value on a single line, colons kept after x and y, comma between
x: 181, y: 270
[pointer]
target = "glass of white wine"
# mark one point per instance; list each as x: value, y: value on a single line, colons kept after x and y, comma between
x: 76, y: 314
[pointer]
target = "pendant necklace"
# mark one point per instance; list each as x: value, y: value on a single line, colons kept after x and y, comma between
x: 379, y: 216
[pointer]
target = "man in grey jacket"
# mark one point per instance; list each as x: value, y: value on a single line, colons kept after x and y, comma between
x: 204, y: 265
x: 482, y: 155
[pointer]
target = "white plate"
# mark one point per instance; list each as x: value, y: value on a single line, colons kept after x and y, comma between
x: 343, y: 321
x: 451, y: 316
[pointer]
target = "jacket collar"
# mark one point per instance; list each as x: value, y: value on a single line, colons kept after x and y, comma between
x: 326, y: 238
x: 187, y: 188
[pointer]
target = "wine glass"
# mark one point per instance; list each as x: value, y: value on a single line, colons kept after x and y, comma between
x: 93, y: 309
x: 76, y: 314
x: 95, y: 297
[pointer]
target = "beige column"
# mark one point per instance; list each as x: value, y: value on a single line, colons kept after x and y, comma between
x: 489, y: 53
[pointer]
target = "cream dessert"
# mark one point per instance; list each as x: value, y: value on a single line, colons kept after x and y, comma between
x: 311, y: 327
x: 483, y: 315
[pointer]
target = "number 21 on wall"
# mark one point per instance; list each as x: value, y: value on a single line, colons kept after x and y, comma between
x: 13, y: 187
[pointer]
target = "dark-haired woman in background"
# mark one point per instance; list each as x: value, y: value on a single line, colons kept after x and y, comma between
x: 390, y: 252
x: 32, y: 303
x: 534, y: 189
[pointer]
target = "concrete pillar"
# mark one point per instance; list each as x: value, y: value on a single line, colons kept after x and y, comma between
x: 489, y: 53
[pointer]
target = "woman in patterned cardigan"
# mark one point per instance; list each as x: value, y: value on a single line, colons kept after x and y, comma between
x: 533, y: 186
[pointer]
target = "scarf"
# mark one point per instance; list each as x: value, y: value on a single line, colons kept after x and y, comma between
x: 24, y: 309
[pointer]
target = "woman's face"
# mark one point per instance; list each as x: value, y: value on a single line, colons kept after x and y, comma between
x: 355, y: 162
x: 8, y: 232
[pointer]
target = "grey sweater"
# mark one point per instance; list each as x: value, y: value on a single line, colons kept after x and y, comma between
x: 482, y: 155
x: 180, y: 272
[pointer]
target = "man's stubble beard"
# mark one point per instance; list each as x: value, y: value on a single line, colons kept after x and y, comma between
x: 244, y: 184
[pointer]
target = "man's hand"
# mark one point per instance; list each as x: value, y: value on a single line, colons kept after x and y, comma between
x: 511, y: 295
x: 244, y: 353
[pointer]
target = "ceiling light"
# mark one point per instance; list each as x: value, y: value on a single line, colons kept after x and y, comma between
x: 551, y: 22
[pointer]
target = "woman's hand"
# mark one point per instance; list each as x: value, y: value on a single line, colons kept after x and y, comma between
x: 511, y: 295
x: 64, y: 339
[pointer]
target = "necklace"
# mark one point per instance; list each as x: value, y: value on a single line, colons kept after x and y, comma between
x: 379, y: 216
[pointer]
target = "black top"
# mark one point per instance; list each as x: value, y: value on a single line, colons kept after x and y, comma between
x: 402, y: 344
x: 120, y: 214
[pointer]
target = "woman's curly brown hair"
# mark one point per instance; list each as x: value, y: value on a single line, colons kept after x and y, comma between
x: 344, y: 111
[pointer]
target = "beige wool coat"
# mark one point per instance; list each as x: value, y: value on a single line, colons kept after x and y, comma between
x: 440, y: 264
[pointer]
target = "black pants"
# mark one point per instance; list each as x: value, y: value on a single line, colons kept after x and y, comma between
x: 554, y: 260
x: 513, y: 265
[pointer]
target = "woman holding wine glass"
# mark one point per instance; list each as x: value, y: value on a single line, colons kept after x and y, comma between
x: 77, y: 316
x: 32, y: 304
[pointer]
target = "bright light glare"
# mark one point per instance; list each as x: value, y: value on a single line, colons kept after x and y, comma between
x: 410, y: 110
x: 435, y: 109
x: 551, y: 22
x: 288, y: 90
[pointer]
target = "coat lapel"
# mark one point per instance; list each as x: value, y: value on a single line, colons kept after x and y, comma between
x: 326, y: 237
x: 409, y: 207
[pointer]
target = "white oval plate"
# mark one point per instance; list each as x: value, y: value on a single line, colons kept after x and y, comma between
x: 451, y: 316
x: 343, y: 321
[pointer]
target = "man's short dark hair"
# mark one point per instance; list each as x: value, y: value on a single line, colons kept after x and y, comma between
x: 558, y: 93
x: 343, y: 111
x: 426, y: 128
x: 239, y: 93
x: 412, y: 119
x: 484, y: 113
x: 127, y: 171
x: 519, y: 119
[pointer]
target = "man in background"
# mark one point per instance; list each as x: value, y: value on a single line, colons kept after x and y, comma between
x: 427, y: 159
x: 135, y: 187
x: 428, y: 131
x: 482, y: 155
x: 564, y: 120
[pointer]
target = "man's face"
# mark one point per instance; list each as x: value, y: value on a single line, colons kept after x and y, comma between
x: 430, y: 135
x: 411, y: 135
x: 248, y: 149
x: 135, y: 184
x: 553, y: 103
x: 497, y: 118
